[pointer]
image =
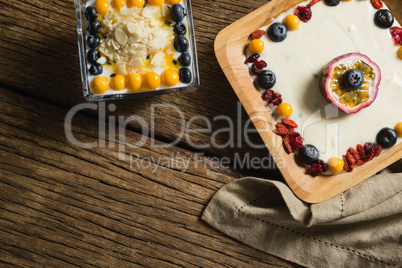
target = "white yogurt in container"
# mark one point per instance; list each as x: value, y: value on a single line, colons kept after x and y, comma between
x: 297, y: 63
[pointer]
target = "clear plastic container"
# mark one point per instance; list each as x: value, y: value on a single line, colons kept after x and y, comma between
x: 86, y: 77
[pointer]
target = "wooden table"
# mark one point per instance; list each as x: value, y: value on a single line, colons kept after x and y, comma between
x: 116, y: 204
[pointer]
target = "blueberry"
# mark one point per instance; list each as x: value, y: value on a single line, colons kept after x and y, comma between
x: 91, y: 14
x: 180, y: 28
x: 383, y: 18
x: 93, y: 55
x: 93, y: 27
x: 96, y: 69
x: 177, y: 12
x: 185, y: 59
x: 332, y: 3
x: 387, y: 137
x: 353, y: 79
x: 266, y: 79
x: 277, y: 32
x: 181, y: 43
x: 93, y: 41
x: 185, y: 75
x: 308, y: 154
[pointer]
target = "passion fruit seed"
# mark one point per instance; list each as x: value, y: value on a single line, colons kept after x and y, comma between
x: 383, y: 18
x: 169, y: 78
x: 308, y: 154
x: 256, y: 46
x: 118, y: 82
x: 335, y: 164
x: 100, y: 85
x: 398, y: 129
x: 277, y: 32
x: 284, y: 110
x: 134, y: 81
x: 387, y: 137
x: 266, y: 79
x: 292, y: 22
x: 400, y: 52
x: 332, y: 3
x: 353, y: 79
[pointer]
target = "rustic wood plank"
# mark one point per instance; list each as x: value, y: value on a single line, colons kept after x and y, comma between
x: 65, y: 206
x: 38, y: 47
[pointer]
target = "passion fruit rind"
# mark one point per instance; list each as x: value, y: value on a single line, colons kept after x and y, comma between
x: 333, y: 89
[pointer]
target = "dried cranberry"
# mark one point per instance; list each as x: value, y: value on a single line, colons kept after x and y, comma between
x: 252, y: 58
x: 377, y: 150
x: 255, y: 70
x: 315, y: 169
x: 296, y: 142
x: 323, y: 165
x: 257, y: 67
x: 277, y: 99
x: 267, y: 95
x: 396, y: 33
x: 260, y: 64
x: 312, y: 3
x: 304, y: 13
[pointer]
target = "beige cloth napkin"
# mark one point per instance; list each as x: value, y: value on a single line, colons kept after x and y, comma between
x: 361, y: 227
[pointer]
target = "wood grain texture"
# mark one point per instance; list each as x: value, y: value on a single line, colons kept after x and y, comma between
x: 38, y: 47
x: 229, y: 49
x: 62, y: 206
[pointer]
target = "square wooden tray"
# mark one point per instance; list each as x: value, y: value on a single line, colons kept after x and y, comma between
x: 230, y: 45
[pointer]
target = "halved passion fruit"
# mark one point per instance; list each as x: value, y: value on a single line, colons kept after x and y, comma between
x: 341, y: 83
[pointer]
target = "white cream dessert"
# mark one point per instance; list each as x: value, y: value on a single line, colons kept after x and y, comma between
x: 297, y: 63
x: 137, y: 49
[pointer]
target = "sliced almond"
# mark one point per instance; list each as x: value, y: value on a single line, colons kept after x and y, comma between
x: 120, y: 36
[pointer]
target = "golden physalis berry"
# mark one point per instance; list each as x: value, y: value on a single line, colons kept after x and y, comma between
x: 284, y: 110
x: 134, y: 81
x: 135, y: 3
x: 256, y: 46
x: 398, y: 129
x: 292, y: 22
x: 118, y: 3
x: 173, y: 2
x: 170, y: 78
x: 335, y: 164
x: 400, y: 52
x: 151, y: 80
x: 102, y: 6
x: 100, y: 85
x: 118, y: 82
x: 156, y: 2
